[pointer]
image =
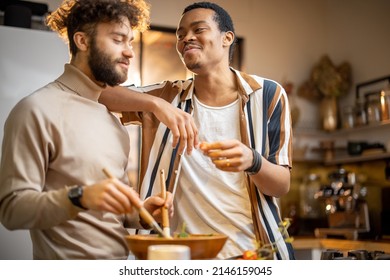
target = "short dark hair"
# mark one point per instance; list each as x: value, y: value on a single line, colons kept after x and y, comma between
x: 221, y: 17
x: 83, y: 15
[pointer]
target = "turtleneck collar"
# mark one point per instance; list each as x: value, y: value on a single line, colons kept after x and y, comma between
x: 74, y: 79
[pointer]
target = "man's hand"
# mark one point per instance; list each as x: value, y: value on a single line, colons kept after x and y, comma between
x: 234, y: 156
x: 229, y: 155
x: 181, y: 124
x: 113, y: 196
x: 110, y: 195
x: 154, y: 203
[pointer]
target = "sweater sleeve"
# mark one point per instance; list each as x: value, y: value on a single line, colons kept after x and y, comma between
x: 26, y: 150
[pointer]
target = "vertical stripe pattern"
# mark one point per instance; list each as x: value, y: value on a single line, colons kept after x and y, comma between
x: 265, y: 121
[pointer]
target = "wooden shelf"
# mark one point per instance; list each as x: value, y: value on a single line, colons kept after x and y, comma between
x: 307, y: 160
x: 342, y: 157
x: 361, y: 129
x: 357, y: 159
x: 339, y: 132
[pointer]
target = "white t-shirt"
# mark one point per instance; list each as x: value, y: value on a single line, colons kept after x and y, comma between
x: 212, y: 200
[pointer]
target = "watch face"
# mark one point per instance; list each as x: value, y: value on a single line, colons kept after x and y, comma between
x: 76, y: 192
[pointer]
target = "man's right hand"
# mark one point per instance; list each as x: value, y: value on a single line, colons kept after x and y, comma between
x: 110, y: 195
x: 181, y: 124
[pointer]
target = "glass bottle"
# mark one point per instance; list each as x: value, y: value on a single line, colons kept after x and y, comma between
x: 309, y: 206
x: 373, y: 107
x: 329, y: 113
x: 348, y: 117
x: 385, y: 104
x: 360, y: 113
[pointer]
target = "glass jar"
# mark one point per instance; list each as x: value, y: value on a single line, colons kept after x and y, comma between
x: 329, y: 113
x: 309, y: 206
x: 348, y: 117
x: 360, y: 113
x: 373, y: 107
x: 385, y: 104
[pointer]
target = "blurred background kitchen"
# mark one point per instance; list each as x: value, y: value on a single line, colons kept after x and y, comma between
x: 333, y: 59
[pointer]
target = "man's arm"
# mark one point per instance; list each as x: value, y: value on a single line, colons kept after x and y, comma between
x: 234, y: 156
x: 182, y: 125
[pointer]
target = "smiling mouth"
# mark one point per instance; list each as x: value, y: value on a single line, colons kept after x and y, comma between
x: 190, y: 48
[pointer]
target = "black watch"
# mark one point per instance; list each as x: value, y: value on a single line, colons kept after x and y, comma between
x: 75, y: 194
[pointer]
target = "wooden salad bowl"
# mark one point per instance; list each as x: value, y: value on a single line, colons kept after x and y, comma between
x: 203, y: 246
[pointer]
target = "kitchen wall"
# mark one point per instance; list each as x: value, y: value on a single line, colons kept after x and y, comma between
x: 29, y: 60
x: 283, y: 39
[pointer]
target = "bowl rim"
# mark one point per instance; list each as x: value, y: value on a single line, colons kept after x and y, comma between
x: 133, y: 241
x: 195, y: 236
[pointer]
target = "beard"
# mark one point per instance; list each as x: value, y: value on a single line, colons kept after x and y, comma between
x: 192, y: 66
x: 103, y: 67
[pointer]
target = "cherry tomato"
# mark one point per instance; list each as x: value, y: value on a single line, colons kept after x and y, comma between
x: 249, y: 255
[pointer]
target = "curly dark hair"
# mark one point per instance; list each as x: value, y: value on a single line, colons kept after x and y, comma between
x: 221, y: 17
x: 83, y: 15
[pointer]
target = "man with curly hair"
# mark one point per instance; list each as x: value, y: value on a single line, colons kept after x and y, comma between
x: 58, y: 140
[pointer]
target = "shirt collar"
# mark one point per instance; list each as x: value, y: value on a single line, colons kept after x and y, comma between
x: 246, y: 86
x: 74, y: 79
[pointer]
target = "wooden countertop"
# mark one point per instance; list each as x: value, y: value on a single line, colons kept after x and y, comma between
x: 301, y: 243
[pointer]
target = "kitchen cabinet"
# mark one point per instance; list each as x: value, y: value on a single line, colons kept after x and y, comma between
x: 330, y: 148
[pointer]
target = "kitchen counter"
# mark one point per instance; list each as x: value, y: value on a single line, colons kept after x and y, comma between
x: 311, y: 247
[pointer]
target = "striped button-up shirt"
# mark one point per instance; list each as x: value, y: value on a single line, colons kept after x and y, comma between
x: 265, y: 125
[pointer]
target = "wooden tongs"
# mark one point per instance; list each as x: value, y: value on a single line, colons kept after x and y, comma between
x: 164, y: 209
x: 144, y: 214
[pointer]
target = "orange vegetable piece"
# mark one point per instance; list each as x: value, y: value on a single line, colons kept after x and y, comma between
x: 249, y: 255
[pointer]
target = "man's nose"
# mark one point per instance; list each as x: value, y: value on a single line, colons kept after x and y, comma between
x: 128, y: 52
x: 190, y: 36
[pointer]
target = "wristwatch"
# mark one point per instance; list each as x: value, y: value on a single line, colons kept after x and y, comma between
x: 74, y: 195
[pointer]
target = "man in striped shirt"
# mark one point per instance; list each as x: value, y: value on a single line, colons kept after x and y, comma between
x: 230, y: 183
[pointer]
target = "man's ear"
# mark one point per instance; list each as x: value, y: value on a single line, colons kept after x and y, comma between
x: 228, y: 38
x: 81, y: 41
